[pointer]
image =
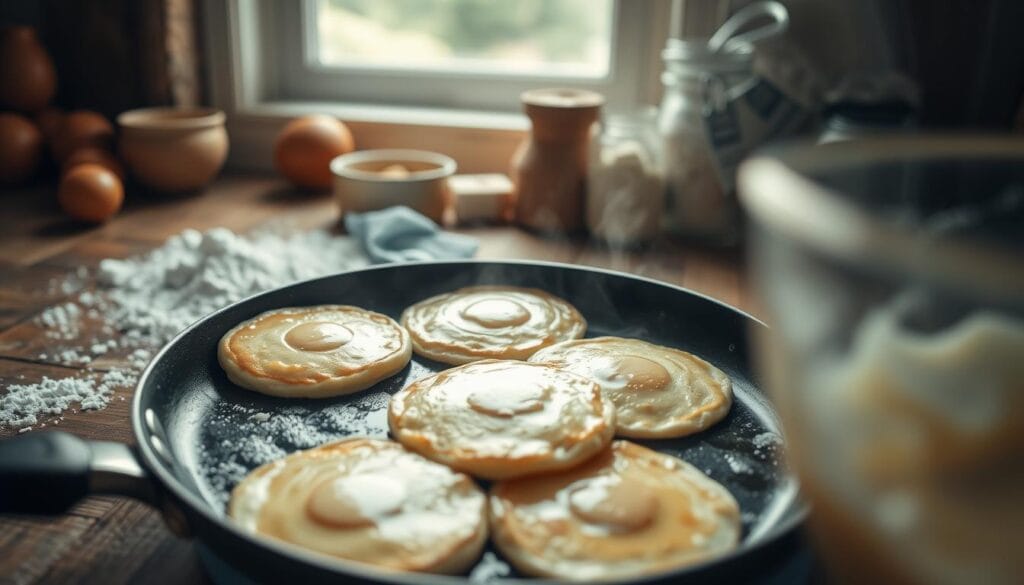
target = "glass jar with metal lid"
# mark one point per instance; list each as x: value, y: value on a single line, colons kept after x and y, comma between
x: 714, y: 111
x: 697, y: 202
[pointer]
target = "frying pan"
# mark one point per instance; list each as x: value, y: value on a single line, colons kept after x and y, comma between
x: 197, y: 434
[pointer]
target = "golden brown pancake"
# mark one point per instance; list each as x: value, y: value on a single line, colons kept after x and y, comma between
x: 658, y: 391
x: 627, y: 512
x: 490, y: 322
x: 314, y: 352
x: 367, y: 500
x: 498, y: 419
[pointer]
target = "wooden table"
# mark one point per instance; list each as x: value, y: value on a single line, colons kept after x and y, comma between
x: 113, y: 540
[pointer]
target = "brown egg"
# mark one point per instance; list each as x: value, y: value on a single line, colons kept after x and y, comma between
x: 49, y: 121
x: 21, y: 148
x: 89, y: 192
x: 81, y: 128
x: 92, y: 154
x: 305, y: 147
x: 28, y: 79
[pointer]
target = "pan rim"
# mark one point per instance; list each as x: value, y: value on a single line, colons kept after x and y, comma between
x: 168, y: 481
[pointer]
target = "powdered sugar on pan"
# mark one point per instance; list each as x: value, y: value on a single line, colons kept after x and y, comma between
x: 490, y: 569
x: 138, y: 304
x: 237, y: 438
x: 737, y: 464
x: 767, y: 439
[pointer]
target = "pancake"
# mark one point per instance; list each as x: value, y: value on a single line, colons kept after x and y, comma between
x: 658, y: 391
x: 367, y: 500
x: 490, y: 322
x: 499, y: 419
x: 314, y: 352
x: 630, y: 511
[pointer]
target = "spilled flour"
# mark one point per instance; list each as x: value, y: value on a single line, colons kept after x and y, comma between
x: 237, y: 438
x: 140, y: 303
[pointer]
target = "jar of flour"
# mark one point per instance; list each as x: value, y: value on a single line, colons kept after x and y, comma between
x: 716, y: 108
x: 625, y: 182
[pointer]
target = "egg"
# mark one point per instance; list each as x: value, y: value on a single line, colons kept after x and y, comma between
x: 89, y: 192
x: 81, y: 128
x: 28, y: 79
x: 305, y: 147
x: 92, y: 154
x: 21, y: 148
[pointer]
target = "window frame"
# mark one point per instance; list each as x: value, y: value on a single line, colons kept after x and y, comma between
x: 260, y: 93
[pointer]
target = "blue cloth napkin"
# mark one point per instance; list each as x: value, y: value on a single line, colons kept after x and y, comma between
x: 399, y: 234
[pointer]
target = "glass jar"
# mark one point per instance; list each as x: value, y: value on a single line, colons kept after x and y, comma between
x: 890, y: 269
x: 698, y: 203
x: 717, y: 109
x: 870, y: 105
x: 625, y: 182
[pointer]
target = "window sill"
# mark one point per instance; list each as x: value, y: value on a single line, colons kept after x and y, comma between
x: 479, y: 141
x: 402, y: 115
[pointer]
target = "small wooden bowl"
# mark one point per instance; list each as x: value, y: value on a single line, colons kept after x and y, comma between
x: 173, y: 149
x: 368, y: 180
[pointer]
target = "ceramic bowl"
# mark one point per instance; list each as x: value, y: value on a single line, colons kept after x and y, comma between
x: 173, y: 149
x: 368, y: 180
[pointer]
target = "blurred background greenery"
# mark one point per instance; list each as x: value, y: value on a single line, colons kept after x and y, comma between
x: 523, y: 35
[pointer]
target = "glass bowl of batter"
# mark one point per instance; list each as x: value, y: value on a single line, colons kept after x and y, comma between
x: 891, y: 272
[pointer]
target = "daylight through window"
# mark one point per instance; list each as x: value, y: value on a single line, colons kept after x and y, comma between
x: 523, y: 37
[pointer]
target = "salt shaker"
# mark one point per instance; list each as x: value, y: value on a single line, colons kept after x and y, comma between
x: 550, y: 168
x: 625, y: 185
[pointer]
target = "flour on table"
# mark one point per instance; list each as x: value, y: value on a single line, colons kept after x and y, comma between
x: 62, y: 321
x: 22, y: 404
x: 193, y: 274
x: 148, y: 299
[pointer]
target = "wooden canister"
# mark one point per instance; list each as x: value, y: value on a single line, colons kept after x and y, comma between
x: 549, y: 169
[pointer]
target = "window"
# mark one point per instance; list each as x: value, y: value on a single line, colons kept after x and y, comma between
x: 450, y: 54
x: 556, y: 38
x: 394, y: 67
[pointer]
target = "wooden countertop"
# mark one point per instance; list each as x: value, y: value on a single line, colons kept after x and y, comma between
x: 114, y: 540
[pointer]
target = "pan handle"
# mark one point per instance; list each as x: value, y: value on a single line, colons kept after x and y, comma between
x: 47, y: 472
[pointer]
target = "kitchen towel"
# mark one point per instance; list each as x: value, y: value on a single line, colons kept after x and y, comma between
x: 399, y: 234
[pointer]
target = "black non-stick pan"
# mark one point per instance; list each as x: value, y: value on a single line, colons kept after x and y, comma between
x: 197, y: 434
